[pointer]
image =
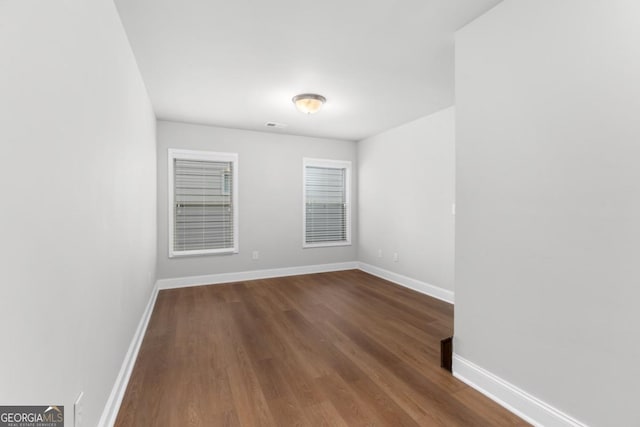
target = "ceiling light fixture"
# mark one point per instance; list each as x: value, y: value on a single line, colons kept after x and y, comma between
x: 309, y: 103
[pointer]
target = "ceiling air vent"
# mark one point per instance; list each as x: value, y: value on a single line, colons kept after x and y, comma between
x: 275, y: 125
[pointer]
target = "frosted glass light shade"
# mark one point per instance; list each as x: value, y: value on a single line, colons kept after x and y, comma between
x: 309, y: 103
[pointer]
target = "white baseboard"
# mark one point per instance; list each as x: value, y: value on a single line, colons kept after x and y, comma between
x: 422, y: 287
x: 110, y: 412
x: 516, y: 400
x: 212, y: 279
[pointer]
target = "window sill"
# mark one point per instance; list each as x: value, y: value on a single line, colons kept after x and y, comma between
x: 203, y: 252
x: 324, y: 245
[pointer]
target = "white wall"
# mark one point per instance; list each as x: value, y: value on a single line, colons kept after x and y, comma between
x: 270, y: 199
x: 548, y: 196
x: 78, y: 189
x: 406, y: 191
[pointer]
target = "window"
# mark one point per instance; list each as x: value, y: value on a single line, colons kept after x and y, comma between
x: 203, y: 203
x: 327, y: 210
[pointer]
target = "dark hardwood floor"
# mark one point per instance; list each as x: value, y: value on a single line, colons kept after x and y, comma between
x: 331, y: 349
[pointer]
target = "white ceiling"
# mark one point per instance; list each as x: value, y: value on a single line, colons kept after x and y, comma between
x: 238, y: 63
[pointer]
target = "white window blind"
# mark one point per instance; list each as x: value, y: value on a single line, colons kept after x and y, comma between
x: 203, y: 207
x: 327, y: 205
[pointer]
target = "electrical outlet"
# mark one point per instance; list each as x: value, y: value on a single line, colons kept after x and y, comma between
x: 255, y: 255
x: 395, y: 257
x: 78, y: 410
x: 379, y: 253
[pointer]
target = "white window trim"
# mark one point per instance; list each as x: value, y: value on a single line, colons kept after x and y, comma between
x: 325, y: 163
x: 211, y: 156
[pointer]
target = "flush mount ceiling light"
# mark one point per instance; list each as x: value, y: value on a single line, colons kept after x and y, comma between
x: 309, y: 103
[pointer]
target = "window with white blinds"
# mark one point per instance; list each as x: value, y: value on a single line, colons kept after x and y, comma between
x: 327, y: 205
x: 202, y: 202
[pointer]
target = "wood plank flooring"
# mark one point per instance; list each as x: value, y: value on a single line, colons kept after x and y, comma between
x: 331, y: 349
